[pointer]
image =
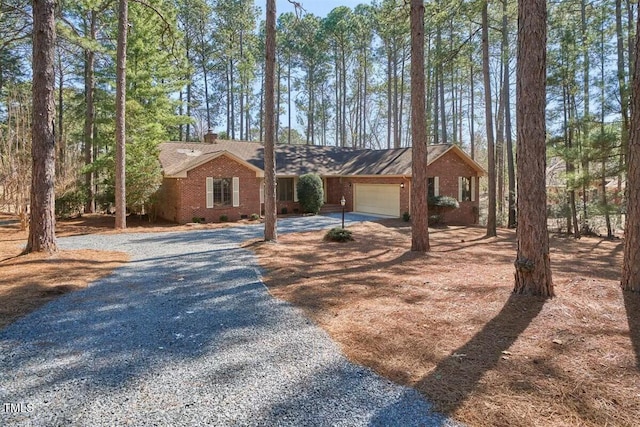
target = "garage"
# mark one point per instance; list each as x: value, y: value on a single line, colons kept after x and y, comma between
x: 380, y: 199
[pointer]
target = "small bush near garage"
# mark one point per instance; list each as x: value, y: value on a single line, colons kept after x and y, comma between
x: 310, y: 193
x: 338, y: 234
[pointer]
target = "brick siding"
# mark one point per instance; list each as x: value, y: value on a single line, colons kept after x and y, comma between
x: 186, y: 199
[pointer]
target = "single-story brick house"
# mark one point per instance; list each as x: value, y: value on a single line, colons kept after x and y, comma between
x: 220, y: 178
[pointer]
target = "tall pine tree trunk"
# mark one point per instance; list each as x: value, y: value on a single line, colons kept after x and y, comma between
x: 511, y: 221
x: 631, y: 259
x: 89, y: 119
x: 62, y: 151
x: 532, y: 265
x: 42, y: 236
x: 584, y: 137
x: 491, y: 215
x: 419, y: 209
x: 270, y: 223
x: 121, y: 98
x: 389, y: 95
x: 472, y: 112
x: 289, y: 101
x: 622, y: 87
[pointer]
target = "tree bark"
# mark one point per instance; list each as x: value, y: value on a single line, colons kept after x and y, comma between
x: 121, y: 99
x: 623, y: 88
x: 419, y: 209
x: 532, y: 265
x: 270, y: 223
x: 42, y: 237
x: 511, y: 221
x: 89, y: 120
x: 472, y: 113
x: 491, y: 216
x: 631, y: 258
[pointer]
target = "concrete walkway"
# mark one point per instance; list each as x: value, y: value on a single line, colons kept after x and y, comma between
x: 186, y: 334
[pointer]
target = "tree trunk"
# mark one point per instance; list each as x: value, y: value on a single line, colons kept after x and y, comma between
x: 278, y: 100
x: 604, y: 201
x: 241, y: 95
x: 511, y: 222
x: 401, y: 98
x: 42, y: 236
x: 344, y: 98
x: 396, y: 100
x: 586, y: 85
x: 364, y: 103
x: 622, y: 87
x: 532, y: 265
x: 270, y: 223
x: 436, y: 104
x: 232, y: 101
x: 491, y: 216
x: 631, y: 259
x: 89, y: 120
x: 389, y: 95
x: 419, y: 209
x: 499, y: 152
x: 121, y: 98
x: 289, y: 101
x: 472, y: 113
x: 62, y: 154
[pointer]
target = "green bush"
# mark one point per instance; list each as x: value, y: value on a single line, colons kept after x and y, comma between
x: 254, y: 217
x: 310, y: 193
x: 443, y: 202
x: 224, y: 218
x: 338, y: 234
x: 71, y: 203
x: 406, y: 217
x: 197, y: 220
x: 284, y: 211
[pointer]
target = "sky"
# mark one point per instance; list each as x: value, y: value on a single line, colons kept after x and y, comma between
x: 317, y: 7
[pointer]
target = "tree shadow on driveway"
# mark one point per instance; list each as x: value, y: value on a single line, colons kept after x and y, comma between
x: 185, y: 334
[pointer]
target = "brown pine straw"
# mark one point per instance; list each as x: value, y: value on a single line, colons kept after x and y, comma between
x: 447, y: 324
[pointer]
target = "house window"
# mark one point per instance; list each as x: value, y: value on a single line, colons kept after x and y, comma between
x: 433, y: 185
x: 218, y: 192
x: 284, y: 190
x: 465, y: 190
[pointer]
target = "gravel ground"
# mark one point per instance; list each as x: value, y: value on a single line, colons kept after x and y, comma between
x: 186, y: 334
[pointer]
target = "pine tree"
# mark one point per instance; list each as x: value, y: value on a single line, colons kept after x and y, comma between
x: 42, y: 236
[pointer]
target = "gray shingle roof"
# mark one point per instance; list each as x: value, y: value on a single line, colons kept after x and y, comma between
x: 178, y: 157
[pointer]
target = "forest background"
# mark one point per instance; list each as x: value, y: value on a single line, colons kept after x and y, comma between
x: 342, y: 79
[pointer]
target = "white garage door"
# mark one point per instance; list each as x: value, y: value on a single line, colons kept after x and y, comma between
x: 381, y: 199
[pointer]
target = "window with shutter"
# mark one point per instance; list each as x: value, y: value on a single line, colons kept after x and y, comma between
x: 218, y: 192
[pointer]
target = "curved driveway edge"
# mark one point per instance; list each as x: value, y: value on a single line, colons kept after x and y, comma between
x: 187, y: 335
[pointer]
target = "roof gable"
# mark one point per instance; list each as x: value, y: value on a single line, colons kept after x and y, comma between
x: 464, y: 156
x: 179, y: 159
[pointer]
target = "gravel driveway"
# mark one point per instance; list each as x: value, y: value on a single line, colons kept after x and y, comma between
x: 186, y: 334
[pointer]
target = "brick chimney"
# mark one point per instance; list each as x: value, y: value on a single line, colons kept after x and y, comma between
x: 210, y: 137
